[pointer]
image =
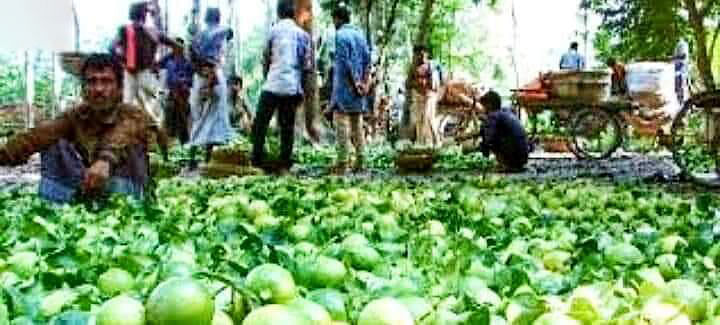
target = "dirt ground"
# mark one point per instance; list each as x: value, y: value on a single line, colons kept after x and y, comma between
x: 640, y: 168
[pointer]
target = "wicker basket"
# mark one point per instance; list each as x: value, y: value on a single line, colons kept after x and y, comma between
x: 555, y: 144
x: 231, y: 157
x: 415, y: 162
x: 72, y: 62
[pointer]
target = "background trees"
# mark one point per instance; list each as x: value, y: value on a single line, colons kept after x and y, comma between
x: 650, y: 29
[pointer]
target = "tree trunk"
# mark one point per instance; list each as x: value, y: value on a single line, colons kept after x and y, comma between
x: 76, y: 24
x: 157, y: 18
x: 167, y: 17
x: 233, y: 45
x: 366, y: 22
x: 384, y: 23
x: 513, y: 50
x: 160, y: 23
x: 697, y: 24
x: 366, y: 18
x: 384, y: 41
x: 310, y: 112
x: 269, y: 16
x: 423, y: 34
x: 238, y: 39
x: 194, y: 18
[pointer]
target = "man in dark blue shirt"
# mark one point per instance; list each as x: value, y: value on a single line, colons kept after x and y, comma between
x: 178, y: 80
x: 504, y: 135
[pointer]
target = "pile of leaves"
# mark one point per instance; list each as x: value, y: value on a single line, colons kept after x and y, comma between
x: 462, y: 251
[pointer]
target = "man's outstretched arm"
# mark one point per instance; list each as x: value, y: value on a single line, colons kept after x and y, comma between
x: 19, y: 148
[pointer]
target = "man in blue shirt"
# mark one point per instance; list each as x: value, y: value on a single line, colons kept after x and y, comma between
x: 178, y: 80
x: 287, y: 64
x: 572, y: 60
x: 350, y: 89
x: 209, y: 107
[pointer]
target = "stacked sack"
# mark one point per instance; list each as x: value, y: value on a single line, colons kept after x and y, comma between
x: 652, y: 86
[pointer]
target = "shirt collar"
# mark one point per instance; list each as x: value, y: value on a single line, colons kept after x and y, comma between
x: 286, y: 21
x: 348, y: 26
x: 111, y: 117
x: 86, y: 113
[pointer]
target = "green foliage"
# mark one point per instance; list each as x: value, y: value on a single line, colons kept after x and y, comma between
x: 462, y: 250
x: 251, y: 67
x: 12, y: 80
x: 456, y: 35
x: 641, y: 29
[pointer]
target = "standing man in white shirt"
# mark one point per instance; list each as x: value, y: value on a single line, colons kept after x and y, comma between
x: 681, y: 59
x: 288, y: 62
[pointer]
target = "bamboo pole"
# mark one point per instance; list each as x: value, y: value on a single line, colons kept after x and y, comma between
x: 56, y: 85
x: 514, y: 44
x: 76, y: 21
x: 29, y: 89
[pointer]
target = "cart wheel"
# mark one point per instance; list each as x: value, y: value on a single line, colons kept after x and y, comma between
x: 596, y: 134
x: 694, y: 143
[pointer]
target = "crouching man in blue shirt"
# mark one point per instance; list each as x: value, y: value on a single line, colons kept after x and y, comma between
x: 504, y: 135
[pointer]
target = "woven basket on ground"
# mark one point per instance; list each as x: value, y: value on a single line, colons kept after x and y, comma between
x: 216, y: 170
x: 415, y: 161
x: 231, y: 157
x: 72, y: 62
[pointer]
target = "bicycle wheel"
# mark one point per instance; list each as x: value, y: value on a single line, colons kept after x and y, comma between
x: 596, y: 134
x: 694, y: 142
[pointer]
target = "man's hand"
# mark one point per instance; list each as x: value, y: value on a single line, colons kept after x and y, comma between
x: 6, y: 159
x: 359, y: 88
x: 96, y: 177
